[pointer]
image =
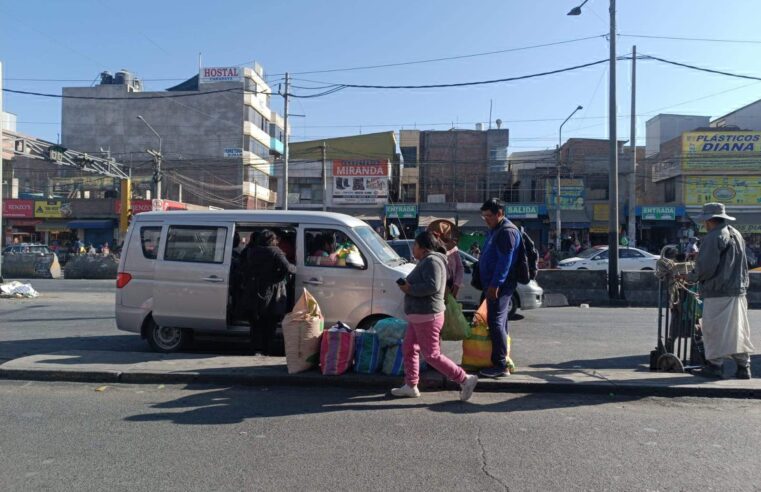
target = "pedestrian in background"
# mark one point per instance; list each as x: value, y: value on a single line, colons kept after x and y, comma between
x: 424, y: 290
x: 722, y: 271
x: 497, y: 269
x: 475, y: 251
x: 446, y: 233
x: 267, y: 274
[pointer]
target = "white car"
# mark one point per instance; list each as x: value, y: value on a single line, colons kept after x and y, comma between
x: 596, y: 258
x: 529, y: 296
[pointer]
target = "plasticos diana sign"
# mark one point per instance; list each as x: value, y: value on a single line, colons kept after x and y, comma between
x: 718, y: 150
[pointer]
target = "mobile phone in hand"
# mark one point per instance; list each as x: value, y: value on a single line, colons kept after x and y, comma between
x: 401, y: 281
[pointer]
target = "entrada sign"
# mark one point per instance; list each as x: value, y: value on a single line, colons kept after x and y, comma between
x: 401, y: 211
x: 658, y: 213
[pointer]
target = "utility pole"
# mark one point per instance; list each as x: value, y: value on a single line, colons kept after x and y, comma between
x: 157, y: 158
x: 324, y: 176
x: 613, y: 291
x: 2, y: 244
x: 285, y: 143
x: 632, y: 220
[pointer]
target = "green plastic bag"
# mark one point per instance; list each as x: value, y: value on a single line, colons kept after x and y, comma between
x: 456, y: 327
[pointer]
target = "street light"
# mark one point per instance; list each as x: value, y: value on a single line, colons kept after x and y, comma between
x: 156, y: 159
x: 613, y: 150
x: 557, y: 193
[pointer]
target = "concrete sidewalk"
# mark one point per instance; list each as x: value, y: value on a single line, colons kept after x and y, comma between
x: 152, y: 368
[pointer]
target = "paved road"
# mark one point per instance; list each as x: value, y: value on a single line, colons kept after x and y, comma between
x: 70, y: 437
x: 79, y: 315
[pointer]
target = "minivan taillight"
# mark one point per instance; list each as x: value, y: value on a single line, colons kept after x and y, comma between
x: 122, y: 279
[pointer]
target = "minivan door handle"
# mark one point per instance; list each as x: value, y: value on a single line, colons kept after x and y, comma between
x: 213, y: 278
x: 313, y: 281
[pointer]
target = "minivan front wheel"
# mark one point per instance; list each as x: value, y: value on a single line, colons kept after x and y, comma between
x: 165, y: 339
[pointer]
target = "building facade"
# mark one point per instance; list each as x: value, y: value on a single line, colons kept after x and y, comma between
x: 217, y: 132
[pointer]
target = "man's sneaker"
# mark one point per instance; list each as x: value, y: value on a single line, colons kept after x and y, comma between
x: 467, y: 387
x: 709, y: 371
x: 493, y: 372
x: 743, y: 372
x: 406, y: 391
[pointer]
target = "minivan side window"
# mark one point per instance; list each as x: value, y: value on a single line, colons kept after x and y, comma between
x: 149, y: 240
x: 331, y: 248
x: 196, y: 244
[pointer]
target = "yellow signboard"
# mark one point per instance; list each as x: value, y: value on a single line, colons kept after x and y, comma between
x: 51, y: 209
x: 729, y: 190
x: 601, y: 212
x: 732, y: 150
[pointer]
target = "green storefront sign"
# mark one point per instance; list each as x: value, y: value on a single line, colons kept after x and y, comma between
x: 401, y: 211
x: 658, y: 213
x: 522, y: 211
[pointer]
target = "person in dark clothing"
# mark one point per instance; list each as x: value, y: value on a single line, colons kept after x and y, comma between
x: 496, y: 266
x: 267, y: 275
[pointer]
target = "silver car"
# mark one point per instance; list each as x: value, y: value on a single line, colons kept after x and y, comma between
x: 529, y: 296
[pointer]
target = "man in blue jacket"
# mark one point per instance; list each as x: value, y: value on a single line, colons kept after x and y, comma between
x: 496, y: 266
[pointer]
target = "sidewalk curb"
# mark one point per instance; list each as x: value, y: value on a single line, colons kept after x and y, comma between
x: 362, y: 381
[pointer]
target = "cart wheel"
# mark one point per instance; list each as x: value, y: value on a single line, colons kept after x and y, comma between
x: 670, y: 363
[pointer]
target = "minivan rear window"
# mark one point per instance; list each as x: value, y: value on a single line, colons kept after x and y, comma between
x: 150, y: 237
x: 196, y: 244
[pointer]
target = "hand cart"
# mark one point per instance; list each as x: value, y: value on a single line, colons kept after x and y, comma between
x: 680, y: 346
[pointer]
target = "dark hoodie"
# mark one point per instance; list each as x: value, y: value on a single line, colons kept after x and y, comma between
x: 428, y: 282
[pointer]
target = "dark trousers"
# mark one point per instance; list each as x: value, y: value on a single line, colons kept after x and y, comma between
x: 496, y: 317
x: 263, y: 331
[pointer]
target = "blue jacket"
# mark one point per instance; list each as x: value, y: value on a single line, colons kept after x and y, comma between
x: 497, y: 256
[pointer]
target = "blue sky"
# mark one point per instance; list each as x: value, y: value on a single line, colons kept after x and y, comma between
x: 77, y: 39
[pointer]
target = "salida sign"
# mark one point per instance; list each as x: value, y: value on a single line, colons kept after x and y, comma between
x: 220, y: 74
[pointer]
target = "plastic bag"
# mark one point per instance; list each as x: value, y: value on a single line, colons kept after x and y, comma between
x: 367, y: 352
x: 456, y: 327
x: 393, y: 361
x: 390, y: 331
x: 336, y: 350
x: 476, y: 349
x: 302, y: 328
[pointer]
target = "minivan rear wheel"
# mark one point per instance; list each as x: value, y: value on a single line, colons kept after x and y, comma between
x: 165, y: 339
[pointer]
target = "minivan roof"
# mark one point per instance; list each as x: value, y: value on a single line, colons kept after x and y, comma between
x: 286, y: 216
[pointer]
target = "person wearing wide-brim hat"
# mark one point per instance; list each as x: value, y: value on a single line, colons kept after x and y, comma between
x: 447, y: 232
x: 721, y: 269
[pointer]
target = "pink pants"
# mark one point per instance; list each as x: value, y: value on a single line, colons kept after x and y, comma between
x: 424, y: 338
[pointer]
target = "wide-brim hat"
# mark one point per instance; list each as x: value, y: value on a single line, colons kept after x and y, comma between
x: 713, y: 211
x: 446, y: 231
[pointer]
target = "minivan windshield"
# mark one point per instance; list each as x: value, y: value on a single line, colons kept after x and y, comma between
x: 379, y: 247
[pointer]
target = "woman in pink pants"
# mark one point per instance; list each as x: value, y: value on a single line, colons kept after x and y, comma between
x: 424, y: 290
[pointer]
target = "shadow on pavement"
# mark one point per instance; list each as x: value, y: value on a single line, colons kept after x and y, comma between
x: 631, y: 362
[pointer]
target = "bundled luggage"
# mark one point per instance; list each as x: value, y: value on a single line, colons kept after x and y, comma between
x: 337, y: 350
x: 302, y: 328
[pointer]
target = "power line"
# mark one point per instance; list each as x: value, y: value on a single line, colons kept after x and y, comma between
x: 694, y: 67
x: 679, y: 38
x: 120, y: 98
x: 447, y: 58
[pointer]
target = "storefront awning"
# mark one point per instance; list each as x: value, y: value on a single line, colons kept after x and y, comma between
x: 747, y: 222
x: 52, y: 226
x: 571, y: 219
x: 91, y: 224
x: 470, y: 220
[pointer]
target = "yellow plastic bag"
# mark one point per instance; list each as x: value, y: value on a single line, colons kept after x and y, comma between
x: 476, y: 349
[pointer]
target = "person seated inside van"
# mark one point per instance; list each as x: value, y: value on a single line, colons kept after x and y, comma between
x: 323, y: 251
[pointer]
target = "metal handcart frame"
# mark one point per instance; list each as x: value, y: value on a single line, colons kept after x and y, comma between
x: 680, y: 346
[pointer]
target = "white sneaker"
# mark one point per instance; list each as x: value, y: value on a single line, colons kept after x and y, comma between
x: 466, y: 388
x: 406, y: 391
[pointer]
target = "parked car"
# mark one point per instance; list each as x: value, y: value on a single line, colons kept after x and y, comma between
x: 27, y: 248
x: 525, y: 297
x: 596, y: 258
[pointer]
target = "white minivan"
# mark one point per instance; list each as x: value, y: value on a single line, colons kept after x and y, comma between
x: 175, y: 270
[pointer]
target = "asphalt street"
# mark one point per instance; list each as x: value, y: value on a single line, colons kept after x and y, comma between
x: 66, y: 436
x: 79, y: 315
